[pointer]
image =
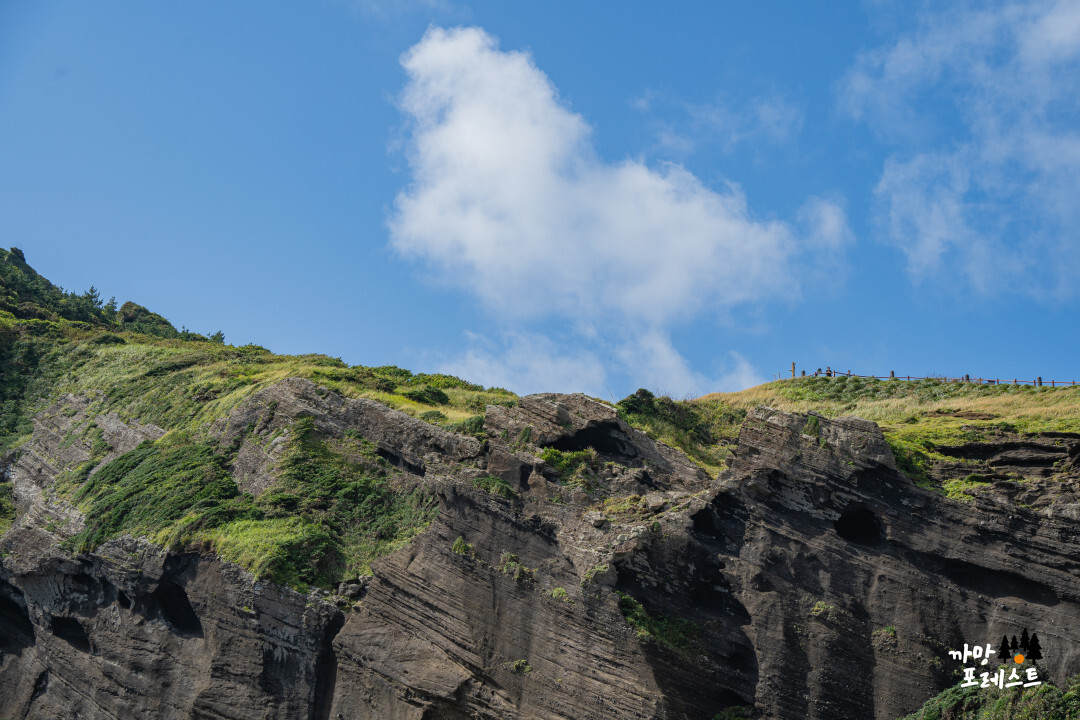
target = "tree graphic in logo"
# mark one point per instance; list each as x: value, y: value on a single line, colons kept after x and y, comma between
x: 1026, y: 648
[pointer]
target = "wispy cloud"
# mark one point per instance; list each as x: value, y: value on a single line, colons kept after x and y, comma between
x: 509, y: 201
x: 526, y: 363
x: 766, y: 119
x: 982, y: 104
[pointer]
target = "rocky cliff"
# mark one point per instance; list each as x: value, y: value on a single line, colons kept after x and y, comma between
x: 576, y: 569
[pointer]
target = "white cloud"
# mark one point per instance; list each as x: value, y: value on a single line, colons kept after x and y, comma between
x: 762, y: 120
x: 528, y: 363
x: 533, y: 362
x: 658, y: 366
x: 982, y: 103
x: 509, y: 201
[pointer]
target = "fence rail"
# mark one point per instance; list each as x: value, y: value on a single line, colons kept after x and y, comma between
x: 829, y: 372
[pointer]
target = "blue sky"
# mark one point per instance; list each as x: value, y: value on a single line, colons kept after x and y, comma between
x: 563, y: 196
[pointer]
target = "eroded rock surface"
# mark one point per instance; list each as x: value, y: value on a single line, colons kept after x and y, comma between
x: 767, y: 587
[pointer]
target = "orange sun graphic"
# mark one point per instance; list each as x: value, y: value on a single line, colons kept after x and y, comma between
x: 1018, y: 658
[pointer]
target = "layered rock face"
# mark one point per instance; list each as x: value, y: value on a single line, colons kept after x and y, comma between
x: 641, y: 589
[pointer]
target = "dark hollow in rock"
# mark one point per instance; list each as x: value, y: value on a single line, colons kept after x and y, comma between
x: 41, y: 685
x: 607, y: 439
x: 72, y: 632
x: 859, y: 525
x: 175, y: 608
x: 399, y: 461
x: 16, y: 630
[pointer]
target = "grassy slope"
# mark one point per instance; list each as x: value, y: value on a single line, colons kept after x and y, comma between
x: 919, y: 416
x: 337, y: 505
x: 916, y: 416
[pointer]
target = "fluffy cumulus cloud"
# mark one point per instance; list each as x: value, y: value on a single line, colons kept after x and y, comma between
x: 509, y: 201
x: 982, y: 104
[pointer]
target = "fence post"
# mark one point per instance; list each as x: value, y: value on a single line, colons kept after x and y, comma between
x: 1038, y: 381
x: 803, y: 373
x: 1051, y: 383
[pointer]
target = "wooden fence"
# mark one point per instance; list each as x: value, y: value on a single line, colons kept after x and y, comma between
x: 829, y: 372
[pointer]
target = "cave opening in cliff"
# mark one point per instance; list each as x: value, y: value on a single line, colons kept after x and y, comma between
x: 71, y: 631
x: 175, y: 608
x: 605, y: 439
x: 16, y: 630
x: 859, y: 525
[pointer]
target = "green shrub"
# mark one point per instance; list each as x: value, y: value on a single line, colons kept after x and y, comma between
x: 561, y: 594
x: 704, y: 429
x: 509, y: 564
x: 677, y: 634
x: 469, y: 426
x: 1043, y: 702
x: 519, y: 667
x: 443, y: 382
x: 573, y: 467
x: 495, y: 486
x: 428, y: 396
x: 7, y: 506
x: 461, y: 547
x: 432, y: 416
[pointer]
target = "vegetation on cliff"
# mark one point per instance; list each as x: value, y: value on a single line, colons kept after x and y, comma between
x: 133, y: 362
x: 336, y: 507
x: 1043, y: 702
x: 917, y: 417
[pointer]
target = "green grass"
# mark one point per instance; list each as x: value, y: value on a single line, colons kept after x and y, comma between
x: 955, y: 488
x: 677, y: 634
x: 334, y: 510
x: 335, y: 507
x: 576, y: 468
x: 152, y: 487
x: 288, y: 550
x: 704, y: 429
x: 495, y: 486
x: 7, y: 506
x: 1043, y: 702
x: 919, y: 417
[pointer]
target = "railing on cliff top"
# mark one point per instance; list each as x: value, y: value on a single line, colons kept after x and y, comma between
x: 829, y: 372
